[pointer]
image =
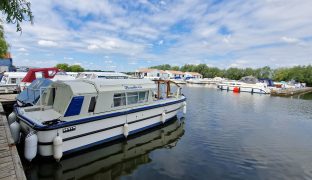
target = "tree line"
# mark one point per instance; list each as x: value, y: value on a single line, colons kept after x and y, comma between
x: 297, y: 73
x: 70, y: 68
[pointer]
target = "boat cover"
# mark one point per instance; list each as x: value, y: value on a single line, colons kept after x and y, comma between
x: 32, y: 93
x: 249, y: 80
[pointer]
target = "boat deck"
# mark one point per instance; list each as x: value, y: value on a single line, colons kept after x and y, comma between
x: 10, y: 163
x: 291, y: 92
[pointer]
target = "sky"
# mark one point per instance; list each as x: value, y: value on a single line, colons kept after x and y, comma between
x: 126, y: 35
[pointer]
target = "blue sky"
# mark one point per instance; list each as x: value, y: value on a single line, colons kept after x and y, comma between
x: 126, y: 35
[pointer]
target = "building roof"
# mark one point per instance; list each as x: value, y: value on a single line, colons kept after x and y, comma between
x: 175, y: 72
x: 146, y: 70
x: 193, y: 73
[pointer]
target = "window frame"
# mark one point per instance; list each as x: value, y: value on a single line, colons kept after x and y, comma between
x: 121, y: 97
x: 137, y: 95
x: 13, y: 82
x: 92, y: 104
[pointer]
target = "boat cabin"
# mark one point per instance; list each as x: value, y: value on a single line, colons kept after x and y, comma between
x: 65, y: 100
x: 10, y: 81
x: 12, y: 77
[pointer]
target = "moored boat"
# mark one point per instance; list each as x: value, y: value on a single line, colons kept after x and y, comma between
x: 246, y: 84
x: 73, y: 115
x: 102, y: 75
x: 109, y: 162
x: 10, y: 82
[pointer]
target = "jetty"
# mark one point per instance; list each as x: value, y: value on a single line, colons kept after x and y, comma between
x: 10, y: 162
x: 291, y: 91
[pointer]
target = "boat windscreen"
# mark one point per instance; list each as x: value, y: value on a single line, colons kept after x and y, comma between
x: 32, y: 93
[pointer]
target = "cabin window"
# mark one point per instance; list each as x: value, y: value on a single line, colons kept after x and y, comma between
x: 132, y: 97
x: 38, y: 75
x: 13, y: 80
x: 137, y: 97
x: 143, y: 96
x: 119, y: 99
x: 92, y: 104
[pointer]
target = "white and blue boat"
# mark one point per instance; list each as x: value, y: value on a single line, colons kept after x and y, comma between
x: 68, y: 116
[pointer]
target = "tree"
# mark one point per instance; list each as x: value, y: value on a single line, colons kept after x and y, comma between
x: 162, y: 67
x: 234, y: 73
x: 63, y: 66
x: 265, y: 72
x: 3, y: 44
x: 16, y: 11
x: 175, y: 68
x: 76, y: 68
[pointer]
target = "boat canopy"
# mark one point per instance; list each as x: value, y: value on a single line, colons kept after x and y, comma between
x: 32, y: 93
x: 36, y: 73
x: 249, y: 80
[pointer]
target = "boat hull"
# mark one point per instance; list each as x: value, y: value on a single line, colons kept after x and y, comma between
x: 84, y: 134
x: 245, y: 89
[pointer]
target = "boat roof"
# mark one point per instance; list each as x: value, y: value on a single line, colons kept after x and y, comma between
x: 106, y: 73
x: 86, y: 86
x: 15, y: 74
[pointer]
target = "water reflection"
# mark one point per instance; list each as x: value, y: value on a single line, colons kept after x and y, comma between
x: 306, y: 96
x: 113, y: 161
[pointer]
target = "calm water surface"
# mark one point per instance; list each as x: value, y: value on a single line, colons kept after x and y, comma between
x: 223, y: 136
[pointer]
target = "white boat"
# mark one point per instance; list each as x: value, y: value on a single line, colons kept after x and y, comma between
x: 10, y: 82
x: 102, y: 75
x: 108, y: 161
x: 73, y: 74
x: 69, y: 116
x: 238, y: 86
x: 178, y: 80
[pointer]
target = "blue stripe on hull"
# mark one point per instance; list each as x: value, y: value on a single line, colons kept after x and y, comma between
x: 114, y: 137
x: 40, y: 127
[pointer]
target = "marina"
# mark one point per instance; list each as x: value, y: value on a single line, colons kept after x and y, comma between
x: 155, y: 90
x: 234, y: 147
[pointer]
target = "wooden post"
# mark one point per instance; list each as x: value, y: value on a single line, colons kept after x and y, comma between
x: 158, y: 91
x: 169, y: 87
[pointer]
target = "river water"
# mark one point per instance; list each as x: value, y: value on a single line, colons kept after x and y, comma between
x: 224, y: 135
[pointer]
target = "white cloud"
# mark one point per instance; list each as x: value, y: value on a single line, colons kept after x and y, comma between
x: 47, y: 43
x: 92, y: 47
x: 256, y: 31
x: 290, y: 40
x: 108, y: 61
x: 22, y: 49
x: 68, y: 58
